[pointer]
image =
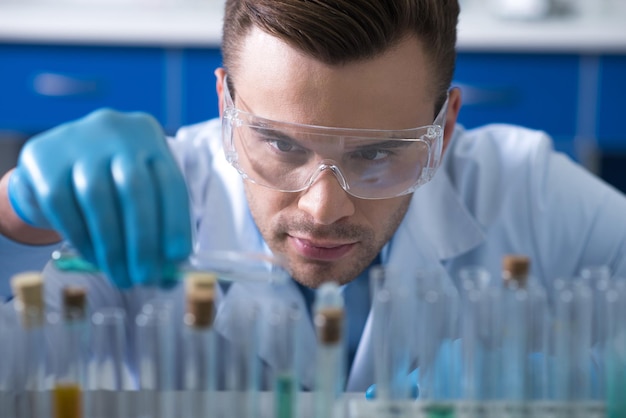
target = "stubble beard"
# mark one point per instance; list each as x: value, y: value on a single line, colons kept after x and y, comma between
x: 313, y: 273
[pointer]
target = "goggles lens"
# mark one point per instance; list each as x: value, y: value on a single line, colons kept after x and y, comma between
x: 369, y: 164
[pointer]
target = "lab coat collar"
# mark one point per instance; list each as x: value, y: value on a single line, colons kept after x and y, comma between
x: 439, y: 219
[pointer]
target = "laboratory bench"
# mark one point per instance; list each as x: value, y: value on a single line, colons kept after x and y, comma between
x: 106, y: 403
x: 564, y: 75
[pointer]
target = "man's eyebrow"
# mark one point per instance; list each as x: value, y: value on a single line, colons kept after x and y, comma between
x: 271, y: 132
x: 276, y: 135
x: 388, y: 143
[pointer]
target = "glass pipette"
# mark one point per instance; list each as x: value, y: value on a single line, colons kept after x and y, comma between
x: 228, y: 266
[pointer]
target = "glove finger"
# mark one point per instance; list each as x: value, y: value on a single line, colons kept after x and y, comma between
x: 24, y: 199
x: 175, y: 216
x: 138, y: 204
x: 98, y: 200
x: 66, y: 217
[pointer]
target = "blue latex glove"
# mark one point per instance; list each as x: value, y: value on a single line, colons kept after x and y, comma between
x: 413, y: 377
x: 110, y: 186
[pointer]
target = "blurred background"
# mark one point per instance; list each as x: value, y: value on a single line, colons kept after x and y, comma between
x: 555, y: 65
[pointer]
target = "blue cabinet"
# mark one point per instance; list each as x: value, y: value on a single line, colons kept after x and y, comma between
x: 610, y: 129
x: 43, y: 86
x: 572, y: 97
x: 539, y: 91
x: 198, y: 84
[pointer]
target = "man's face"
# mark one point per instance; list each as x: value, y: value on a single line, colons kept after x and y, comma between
x: 324, y: 233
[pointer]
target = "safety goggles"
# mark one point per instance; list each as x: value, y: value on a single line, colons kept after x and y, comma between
x: 368, y: 163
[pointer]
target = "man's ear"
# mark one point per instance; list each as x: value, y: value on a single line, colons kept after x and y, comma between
x: 220, y: 74
x: 454, y: 105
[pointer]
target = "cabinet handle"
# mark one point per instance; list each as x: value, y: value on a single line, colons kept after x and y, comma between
x: 492, y: 96
x: 59, y: 85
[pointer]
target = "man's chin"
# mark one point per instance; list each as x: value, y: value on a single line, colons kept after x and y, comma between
x: 313, y: 276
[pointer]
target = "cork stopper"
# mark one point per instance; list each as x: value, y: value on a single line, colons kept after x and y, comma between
x: 329, y: 324
x: 28, y: 290
x: 199, y: 280
x: 200, y: 290
x: 74, y: 302
x: 516, y: 268
x: 200, y: 308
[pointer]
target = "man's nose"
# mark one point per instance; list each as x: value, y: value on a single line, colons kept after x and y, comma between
x: 325, y: 200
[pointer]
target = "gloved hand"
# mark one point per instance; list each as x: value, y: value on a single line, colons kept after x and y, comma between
x: 110, y: 186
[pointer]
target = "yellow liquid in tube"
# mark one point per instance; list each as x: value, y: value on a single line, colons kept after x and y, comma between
x: 67, y: 401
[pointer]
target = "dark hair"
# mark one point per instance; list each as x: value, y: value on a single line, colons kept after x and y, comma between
x: 341, y: 31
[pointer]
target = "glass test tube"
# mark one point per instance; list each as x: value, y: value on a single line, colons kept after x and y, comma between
x: 514, y: 340
x: 482, y: 343
x: 437, y: 330
x: 538, y: 324
x: 473, y: 279
x: 615, y: 349
x: 199, y: 345
x: 572, y: 341
x: 107, y: 373
x: 598, y: 279
x: 69, y: 334
x: 515, y: 317
x: 7, y: 364
x: 155, y: 353
x: 283, y: 324
x: 381, y: 307
x: 242, y: 365
x: 391, y: 336
x: 329, y: 324
x: 30, y: 375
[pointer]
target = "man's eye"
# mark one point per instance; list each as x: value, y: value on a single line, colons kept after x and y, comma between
x: 373, y: 154
x: 281, y: 145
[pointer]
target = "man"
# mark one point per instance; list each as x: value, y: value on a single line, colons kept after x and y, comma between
x: 331, y: 122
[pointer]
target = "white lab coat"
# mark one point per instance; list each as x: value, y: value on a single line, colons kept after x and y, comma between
x: 501, y: 189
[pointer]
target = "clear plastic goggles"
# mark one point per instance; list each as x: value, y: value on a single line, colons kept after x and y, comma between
x: 368, y: 163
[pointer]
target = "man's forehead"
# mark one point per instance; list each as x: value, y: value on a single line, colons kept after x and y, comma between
x: 279, y: 82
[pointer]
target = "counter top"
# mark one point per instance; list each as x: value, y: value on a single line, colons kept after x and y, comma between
x: 199, y: 25
x: 194, y: 25
x: 577, y: 34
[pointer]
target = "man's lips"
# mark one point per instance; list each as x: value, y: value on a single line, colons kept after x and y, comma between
x: 319, y: 250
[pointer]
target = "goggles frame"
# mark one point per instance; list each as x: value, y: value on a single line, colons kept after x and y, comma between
x: 431, y: 135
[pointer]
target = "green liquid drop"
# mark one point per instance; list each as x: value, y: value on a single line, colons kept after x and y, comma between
x: 75, y: 264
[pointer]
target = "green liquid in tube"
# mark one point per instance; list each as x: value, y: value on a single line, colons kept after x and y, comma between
x: 440, y: 411
x: 284, y: 389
